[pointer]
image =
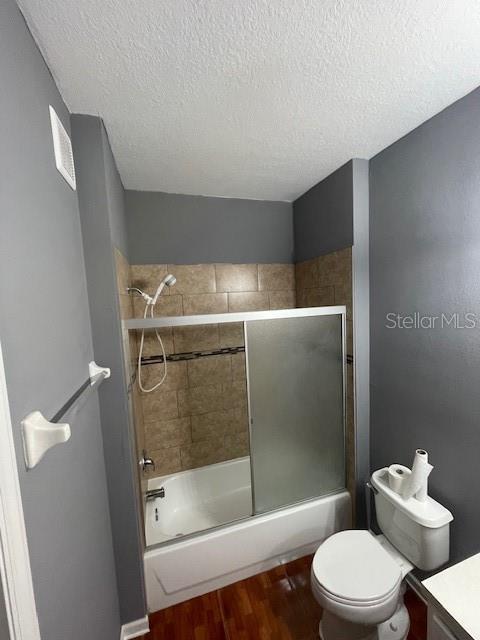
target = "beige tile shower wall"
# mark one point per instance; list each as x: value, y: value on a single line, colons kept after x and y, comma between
x: 324, y: 281
x: 199, y: 416
x: 122, y: 268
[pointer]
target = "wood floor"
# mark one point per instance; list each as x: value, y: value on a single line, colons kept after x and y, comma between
x: 275, y: 605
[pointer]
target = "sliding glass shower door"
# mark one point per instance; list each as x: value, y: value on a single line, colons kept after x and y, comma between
x: 253, y: 407
x: 296, y: 408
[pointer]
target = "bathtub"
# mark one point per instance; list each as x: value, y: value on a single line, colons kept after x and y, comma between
x: 198, y: 499
x: 186, y: 566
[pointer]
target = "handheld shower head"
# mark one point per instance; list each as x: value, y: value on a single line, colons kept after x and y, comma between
x: 168, y: 280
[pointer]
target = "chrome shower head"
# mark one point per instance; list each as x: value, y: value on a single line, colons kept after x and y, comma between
x: 168, y: 280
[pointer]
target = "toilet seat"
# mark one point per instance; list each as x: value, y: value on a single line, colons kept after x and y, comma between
x: 355, y: 578
x: 354, y: 603
x: 353, y: 567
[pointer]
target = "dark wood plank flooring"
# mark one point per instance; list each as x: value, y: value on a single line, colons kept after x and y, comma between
x: 275, y: 605
x: 418, y: 616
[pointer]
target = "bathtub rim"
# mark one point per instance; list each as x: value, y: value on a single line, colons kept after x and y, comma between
x: 185, y: 472
x: 233, y: 523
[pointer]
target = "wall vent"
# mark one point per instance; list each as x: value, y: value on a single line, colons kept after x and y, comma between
x: 62, y: 146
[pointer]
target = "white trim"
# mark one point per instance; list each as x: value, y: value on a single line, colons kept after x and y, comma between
x: 134, y: 629
x: 244, y: 316
x: 14, y: 557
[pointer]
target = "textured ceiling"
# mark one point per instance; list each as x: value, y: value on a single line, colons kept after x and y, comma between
x: 255, y: 98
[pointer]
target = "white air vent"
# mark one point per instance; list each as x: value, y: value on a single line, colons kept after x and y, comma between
x: 63, y: 149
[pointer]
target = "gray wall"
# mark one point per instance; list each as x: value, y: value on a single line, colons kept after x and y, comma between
x: 46, y: 338
x: 4, y: 631
x: 425, y: 257
x: 100, y: 194
x: 171, y: 228
x: 323, y: 216
x: 116, y: 198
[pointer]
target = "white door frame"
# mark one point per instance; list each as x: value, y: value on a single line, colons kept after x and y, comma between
x: 16, y: 575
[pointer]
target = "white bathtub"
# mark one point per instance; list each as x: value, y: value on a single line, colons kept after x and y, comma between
x: 199, y: 499
x: 210, y: 496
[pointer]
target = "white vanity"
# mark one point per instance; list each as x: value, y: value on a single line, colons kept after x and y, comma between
x: 455, y: 592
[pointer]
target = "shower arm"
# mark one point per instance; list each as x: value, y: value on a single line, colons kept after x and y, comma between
x: 145, y: 296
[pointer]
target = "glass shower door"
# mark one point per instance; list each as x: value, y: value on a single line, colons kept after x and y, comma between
x: 296, y: 403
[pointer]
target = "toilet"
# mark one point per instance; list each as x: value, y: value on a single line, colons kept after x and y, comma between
x: 358, y: 578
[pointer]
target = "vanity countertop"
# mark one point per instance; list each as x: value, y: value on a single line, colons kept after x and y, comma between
x: 457, y: 589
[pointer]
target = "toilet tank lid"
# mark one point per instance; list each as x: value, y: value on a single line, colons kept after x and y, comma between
x: 430, y: 513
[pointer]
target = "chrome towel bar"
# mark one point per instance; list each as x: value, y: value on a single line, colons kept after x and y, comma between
x: 40, y: 434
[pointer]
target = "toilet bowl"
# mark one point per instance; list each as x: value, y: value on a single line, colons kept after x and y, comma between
x: 357, y: 577
x: 359, y: 586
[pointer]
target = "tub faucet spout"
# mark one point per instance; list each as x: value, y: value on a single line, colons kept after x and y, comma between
x: 155, y: 493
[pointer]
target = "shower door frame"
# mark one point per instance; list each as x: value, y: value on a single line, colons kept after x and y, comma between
x: 162, y: 322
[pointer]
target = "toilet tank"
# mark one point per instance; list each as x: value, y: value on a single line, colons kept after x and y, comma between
x: 419, y: 530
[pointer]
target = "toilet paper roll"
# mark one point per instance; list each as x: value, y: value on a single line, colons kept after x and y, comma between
x: 417, y: 484
x: 397, y: 477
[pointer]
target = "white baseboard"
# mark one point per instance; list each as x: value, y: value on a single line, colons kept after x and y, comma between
x: 134, y: 629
